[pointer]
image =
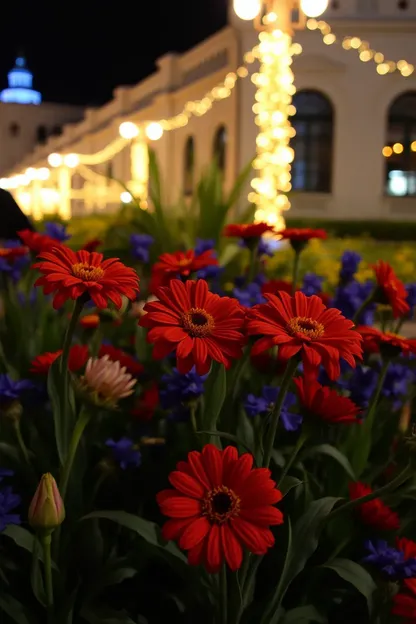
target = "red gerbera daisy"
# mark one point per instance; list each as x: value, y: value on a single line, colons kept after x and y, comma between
x: 407, y: 546
x: 391, y: 289
x: 303, y: 325
x: 325, y: 403
x: 78, y: 356
x: 301, y: 235
x: 180, y: 263
x: 37, y: 242
x: 92, y: 244
x: 11, y: 253
x: 275, y: 285
x: 247, y: 230
x: 146, y: 404
x: 219, y: 506
x: 117, y: 355
x: 375, y: 513
x: 70, y: 274
x: 386, y: 342
x: 201, y: 326
x: 404, y: 605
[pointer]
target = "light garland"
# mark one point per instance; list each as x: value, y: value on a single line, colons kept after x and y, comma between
x: 273, y: 107
x: 363, y: 49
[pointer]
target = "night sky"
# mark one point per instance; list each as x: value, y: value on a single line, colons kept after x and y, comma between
x: 79, y: 51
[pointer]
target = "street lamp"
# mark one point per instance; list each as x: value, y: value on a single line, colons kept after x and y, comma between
x: 275, y: 20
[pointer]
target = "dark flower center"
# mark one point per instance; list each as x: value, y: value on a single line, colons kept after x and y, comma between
x: 301, y: 327
x: 221, y: 504
x: 198, y: 323
x: 86, y: 272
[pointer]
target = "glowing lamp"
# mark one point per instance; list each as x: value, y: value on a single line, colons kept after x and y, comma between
x: 43, y: 173
x: 31, y: 173
x: 247, y: 9
x: 71, y: 160
x: 55, y: 160
x: 313, y: 8
x: 126, y: 197
x: 4, y: 183
x: 128, y: 130
x: 154, y: 131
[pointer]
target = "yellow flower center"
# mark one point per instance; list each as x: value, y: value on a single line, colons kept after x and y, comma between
x: 86, y: 272
x: 302, y: 326
x: 221, y: 504
x: 197, y: 322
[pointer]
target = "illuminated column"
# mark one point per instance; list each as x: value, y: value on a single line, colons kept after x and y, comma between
x: 139, y: 156
x: 273, y: 107
x: 64, y: 186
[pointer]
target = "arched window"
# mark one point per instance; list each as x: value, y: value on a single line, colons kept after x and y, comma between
x: 219, y: 147
x: 313, y: 143
x: 400, y: 148
x: 41, y: 134
x: 189, y: 166
x: 14, y: 129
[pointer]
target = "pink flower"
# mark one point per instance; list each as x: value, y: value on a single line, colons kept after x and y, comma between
x: 46, y: 511
x: 107, y: 381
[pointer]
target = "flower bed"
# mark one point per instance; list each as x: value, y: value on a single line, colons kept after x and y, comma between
x: 216, y: 434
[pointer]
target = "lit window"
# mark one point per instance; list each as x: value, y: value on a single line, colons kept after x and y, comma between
x: 313, y: 143
x: 189, y: 166
x: 400, y: 180
x: 220, y: 147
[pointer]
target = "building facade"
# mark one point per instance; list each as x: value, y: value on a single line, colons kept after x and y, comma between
x: 26, y: 121
x: 355, y: 143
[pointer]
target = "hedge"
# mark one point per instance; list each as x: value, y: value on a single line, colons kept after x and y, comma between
x: 378, y: 230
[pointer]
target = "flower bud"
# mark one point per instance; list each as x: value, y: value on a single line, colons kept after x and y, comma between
x: 46, y: 511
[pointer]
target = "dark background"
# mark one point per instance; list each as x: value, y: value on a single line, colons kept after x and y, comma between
x: 79, y: 51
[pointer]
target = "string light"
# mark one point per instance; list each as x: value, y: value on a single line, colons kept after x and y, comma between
x: 71, y: 160
x: 128, y: 130
x: 275, y: 89
x: 126, y: 197
x: 364, y: 50
x: 55, y: 160
x: 398, y: 148
x: 387, y: 151
x: 154, y: 131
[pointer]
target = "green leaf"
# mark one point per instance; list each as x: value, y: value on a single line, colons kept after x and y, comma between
x: 305, y: 539
x: 106, y: 616
x: 148, y: 530
x: 304, y: 615
x: 228, y: 436
x: 356, y: 575
x: 330, y: 451
x: 14, y: 609
x: 239, y: 185
x: 36, y: 578
x: 64, y: 419
x: 272, y: 613
x: 288, y: 484
x: 25, y: 539
x: 7, y: 450
x: 215, y: 392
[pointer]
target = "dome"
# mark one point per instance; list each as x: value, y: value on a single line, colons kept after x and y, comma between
x: 20, y: 85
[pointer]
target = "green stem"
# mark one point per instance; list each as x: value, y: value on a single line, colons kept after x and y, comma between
x: 79, y: 304
x: 21, y: 442
x: 271, y: 433
x: 253, y: 264
x: 223, y: 595
x: 386, y: 489
x: 295, y: 273
x: 192, y: 411
x: 298, y: 446
x: 399, y: 325
x: 47, y: 565
x: 80, y: 425
x: 363, y: 306
x: 376, y: 395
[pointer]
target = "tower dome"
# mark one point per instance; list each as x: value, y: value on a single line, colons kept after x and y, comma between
x: 20, y: 85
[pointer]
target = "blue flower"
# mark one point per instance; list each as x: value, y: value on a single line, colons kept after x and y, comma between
x: 349, y: 266
x: 27, y: 299
x: 140, y: 244
x: 15, y: 267
x: 8, y: 502
x: 125, y: 452
x: 57, y: 231
x: 5, y: 472
x: 267, y: 247
x: 349, y: 298
x: 249, y: 295
x: 390, y: 561
x: 210, y: 272
x: 262, y: 405
x: 396, y: 384
x: 411, y: 297
x: 312, y: 284
x: 203, y: 244
x: 362, y: 385
x: 11, y: 390
x: 181, y: 388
